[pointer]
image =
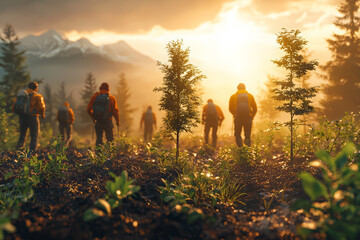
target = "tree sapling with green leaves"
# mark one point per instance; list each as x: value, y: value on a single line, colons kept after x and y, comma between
x: 295, y: 100
x: 180, y: 97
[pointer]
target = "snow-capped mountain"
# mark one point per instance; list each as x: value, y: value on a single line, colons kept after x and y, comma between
x: 52, y: 43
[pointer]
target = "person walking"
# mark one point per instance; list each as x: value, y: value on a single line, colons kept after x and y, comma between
x: 212, y: 117
x: 65, y: 117
x: 149, y: 120
x: 29, y: 105
x: 243, y: 107
x: 101, y: 108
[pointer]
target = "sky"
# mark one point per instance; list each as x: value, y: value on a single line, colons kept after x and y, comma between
x: 230, y: 41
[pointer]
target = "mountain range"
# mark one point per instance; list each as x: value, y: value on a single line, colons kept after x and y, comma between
x: 55, y: 59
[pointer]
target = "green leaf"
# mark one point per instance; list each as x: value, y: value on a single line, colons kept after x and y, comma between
x: 8, y: 175
x: 313, y: 187
x: 301, y: 204
x: 103, y: 205
x: 324, y: 156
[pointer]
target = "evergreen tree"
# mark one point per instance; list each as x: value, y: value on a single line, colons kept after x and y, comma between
x: 123, y: 97
x: 86, y: 94
x: 342, y: 72
x: 49, y: 103
x: 62, y: 96
x: 267, y: 103
x: 13, y: 61
x: 296, y: 100
x: 180, y: 98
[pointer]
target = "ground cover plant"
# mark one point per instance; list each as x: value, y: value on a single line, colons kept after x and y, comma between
x: 141, y: 191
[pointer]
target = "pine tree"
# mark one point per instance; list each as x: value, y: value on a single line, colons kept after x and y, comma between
x: 86, y: 94
x: 180, y: 98
x: 342, y: 72
x: 13, y: 61
x: 62, y: 96
x: 267, y: 103
x: 49, y: 103
x: 296, y: 100
x: 125, y: 110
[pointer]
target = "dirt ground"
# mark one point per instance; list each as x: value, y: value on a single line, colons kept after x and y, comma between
x: 56, y: 211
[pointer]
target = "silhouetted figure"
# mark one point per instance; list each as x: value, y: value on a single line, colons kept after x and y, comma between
x: 65, y: 117
x: 149, y: 118
x: 29, y: 105
x: 243, y: 107
x: 101, y: 108
x: 212, y: 117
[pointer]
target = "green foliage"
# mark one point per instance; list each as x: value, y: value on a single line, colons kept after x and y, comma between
x: 123, y: 144
x: 12, y: 195
x: 5, y: 225
x: 342, y: 71
x: 13, y: 61
x: 117, y: 190
x: 243, y: 155
x: 180, y: 97
x: 296, y: 100
x: 335, y: 200
x: 86, y: 94
x: 7, y: 127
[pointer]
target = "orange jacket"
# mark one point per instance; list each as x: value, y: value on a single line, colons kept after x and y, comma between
x: 218, y: 111
x: 233, y: 103
x: 71, y: 115
x: 113, y: 108
x: 37, y: 103
x: 143, y: 119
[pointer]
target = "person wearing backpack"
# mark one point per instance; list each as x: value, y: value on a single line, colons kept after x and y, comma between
x: 212, y: 117
x: 149, y: 118
x: 101, y: 108
x: 29, y: 105
x: 243, y: 107
x: 65, y: 117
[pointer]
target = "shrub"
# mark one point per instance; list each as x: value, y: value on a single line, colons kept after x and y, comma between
x: 335, y: 200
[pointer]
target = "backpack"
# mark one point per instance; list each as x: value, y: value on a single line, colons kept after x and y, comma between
x: 63, y: 114
x: 101, y: 107
x: 22, y: 103
x: 148, y: 118
x: 211, y: 113
x: 243, y: 105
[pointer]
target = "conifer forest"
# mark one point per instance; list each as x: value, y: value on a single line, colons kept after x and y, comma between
x: 190, y: 119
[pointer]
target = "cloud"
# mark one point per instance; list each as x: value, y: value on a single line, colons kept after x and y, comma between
x: 278, y: 6
x: 122, y: 16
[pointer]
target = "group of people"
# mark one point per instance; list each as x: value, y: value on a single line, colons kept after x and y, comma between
x: 242, y: 106
x: 30, y: 105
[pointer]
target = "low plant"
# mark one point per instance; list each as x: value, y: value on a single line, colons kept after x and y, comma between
x: 243, y: 155
x: 12, y: 195
x: 334, y: 208
x: 117, y: 190
x: 196, y: 189
x: 123, y: 144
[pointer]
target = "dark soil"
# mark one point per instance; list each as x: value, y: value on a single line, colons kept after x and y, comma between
x: 56, y: 211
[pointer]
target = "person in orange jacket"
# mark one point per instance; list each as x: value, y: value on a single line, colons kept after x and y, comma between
x: 101, y: 108
x: 65, y: 116
x: 32, y: 108
x: 149, y: 118
x: 243, y: 107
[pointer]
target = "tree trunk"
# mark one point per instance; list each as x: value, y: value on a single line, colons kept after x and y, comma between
x: 177, y: 145
x: 291, y: 141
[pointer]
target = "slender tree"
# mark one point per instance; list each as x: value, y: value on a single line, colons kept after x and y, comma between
x: 296, y: 100
x: 180, y: 99
x: 123, y: 99
x: 86, y: 94
x: 49, y: 103
x: 267, y: 103
x: 342, y: 72
x: 62, y: 96
x: 13, y: 61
